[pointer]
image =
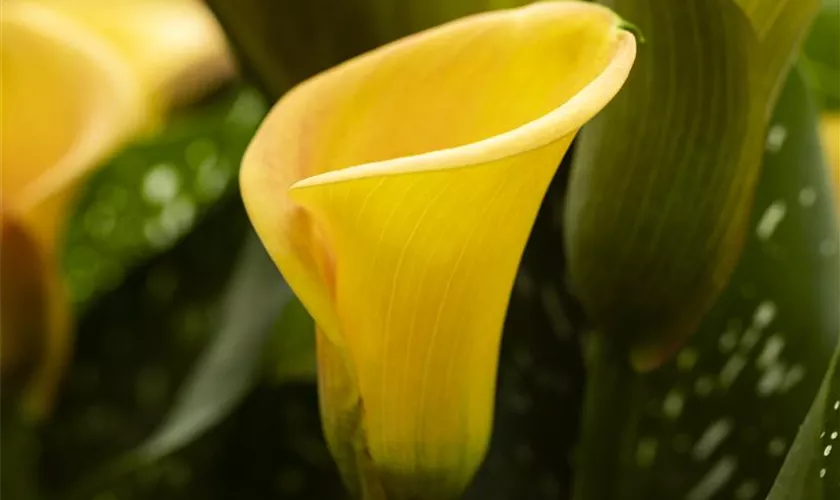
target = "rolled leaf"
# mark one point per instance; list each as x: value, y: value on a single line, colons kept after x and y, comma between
x: 663, y: 182
x: 820, y: 57
x: 716, y: 419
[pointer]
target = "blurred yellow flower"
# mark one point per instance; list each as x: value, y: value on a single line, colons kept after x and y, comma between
x: 396, y: 193
x: 830, y: 132
x: 79, y: 79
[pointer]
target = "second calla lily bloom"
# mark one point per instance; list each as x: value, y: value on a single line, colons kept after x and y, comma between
x: 396, y: 193
x: 80, y: 79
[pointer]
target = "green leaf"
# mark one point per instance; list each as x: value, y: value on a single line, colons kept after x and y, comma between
x: 716, y: 420
x: 812, y: 469
x: 765, y: 14
x: 228, y: 367
x: 152, y: 193
x: 134, y: 347
x: 291, y: 350
x: 821, y: 56
x: 780, y: 26
x: 284, y: 42
x: 663, y: 179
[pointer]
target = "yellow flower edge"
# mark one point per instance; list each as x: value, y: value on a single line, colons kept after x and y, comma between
x: 395, y: 193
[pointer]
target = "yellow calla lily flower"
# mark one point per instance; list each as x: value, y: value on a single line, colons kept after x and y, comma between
x: 396, y: 193
x: 75, y: 86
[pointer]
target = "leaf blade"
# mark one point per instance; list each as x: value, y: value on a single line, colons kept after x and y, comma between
x: 228, y: 367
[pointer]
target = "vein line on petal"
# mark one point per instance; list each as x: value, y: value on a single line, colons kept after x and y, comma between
x: 372, y: 267
x: 396, y: 274
x: 443, y: 299
x: 410, y: 336
x: 365, y: 202
x: 458, y: 338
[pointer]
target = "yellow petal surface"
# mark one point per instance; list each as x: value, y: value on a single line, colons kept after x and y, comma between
x: 396, y: 193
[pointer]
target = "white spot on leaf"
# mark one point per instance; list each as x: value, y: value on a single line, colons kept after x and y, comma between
x: 673, y: 404
x: 772, y: 380
x: 776, y: 137
x: 764, y: 314
x: 731, y: 370
x: 772, y: 348
x: 712, y: 438
x: 793, y: 377
x: 776, y: 447
x: 161, y: 184
x: 807, y: 196
x: 770, y: 220
x: 714, y: 480
x: 828, y: 247
x: 728, y: 339
x: 178, y: 216
x: 751, y: 337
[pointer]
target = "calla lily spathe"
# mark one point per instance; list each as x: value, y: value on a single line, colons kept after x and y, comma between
x: 80, y: 78
x: 396, y: 192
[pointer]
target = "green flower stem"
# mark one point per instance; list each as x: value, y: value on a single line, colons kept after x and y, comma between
x: 612, y: 410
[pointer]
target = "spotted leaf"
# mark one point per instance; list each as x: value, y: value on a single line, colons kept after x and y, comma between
x: 717, y: 420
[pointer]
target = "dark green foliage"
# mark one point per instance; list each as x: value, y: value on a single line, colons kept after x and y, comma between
x: 152, y: 193
x: 821, y: 56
